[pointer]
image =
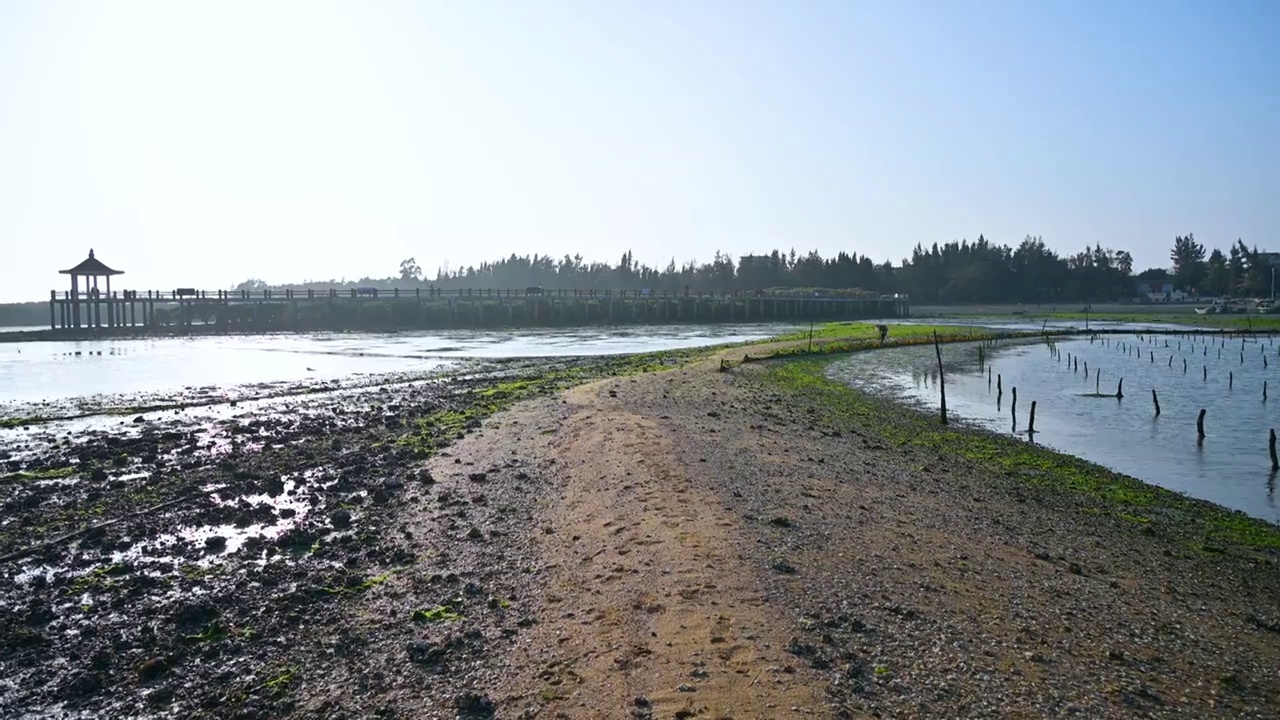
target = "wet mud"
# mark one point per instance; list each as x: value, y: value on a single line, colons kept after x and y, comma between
x: 184, y: 562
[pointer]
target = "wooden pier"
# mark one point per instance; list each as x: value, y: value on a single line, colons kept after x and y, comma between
x: 93, y: 311
x: 426, y: 308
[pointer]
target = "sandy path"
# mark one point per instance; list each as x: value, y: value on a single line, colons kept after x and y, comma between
x: 649, y: 610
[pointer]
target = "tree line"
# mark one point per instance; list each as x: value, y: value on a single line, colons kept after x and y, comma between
x: 950, y: 273
x: 1241, y: 272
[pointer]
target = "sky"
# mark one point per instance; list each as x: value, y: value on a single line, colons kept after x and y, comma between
x: 199, y: 144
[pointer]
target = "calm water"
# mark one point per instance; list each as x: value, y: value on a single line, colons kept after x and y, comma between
x: 51, y: 371
x: 1231, y: 467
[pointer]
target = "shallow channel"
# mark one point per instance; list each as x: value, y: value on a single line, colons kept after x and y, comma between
x: 1224, y: 376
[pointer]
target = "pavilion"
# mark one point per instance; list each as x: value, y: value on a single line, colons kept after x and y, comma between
x: 91, y: 269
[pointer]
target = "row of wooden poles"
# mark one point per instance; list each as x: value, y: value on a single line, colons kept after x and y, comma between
x: 1231, y: 377
x: 1129, y: 349
x: 1074, y: 363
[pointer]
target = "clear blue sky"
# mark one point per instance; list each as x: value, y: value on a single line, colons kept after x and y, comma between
x: 203, y: 143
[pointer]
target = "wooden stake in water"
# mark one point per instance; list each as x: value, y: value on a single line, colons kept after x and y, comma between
x: 1097, y: 382
x: 1170, y: 361
x: 942, y: 380
x: 999, y: 387
x: 1014, y: 405
x: 1031, y: 424
x: 1155, y: 401
x: 1271, y: 447
x: 1120, y: 390
x: 1200, y: 424
x: 1264, y: 391
x: 1184, y: 366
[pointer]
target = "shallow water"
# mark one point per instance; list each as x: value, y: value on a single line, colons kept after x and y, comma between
x: 1230, y: 467
x: 35, y: 372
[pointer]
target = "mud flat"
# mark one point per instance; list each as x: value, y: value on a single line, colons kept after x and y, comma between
x: 193, y: 555
x: 617, y: 539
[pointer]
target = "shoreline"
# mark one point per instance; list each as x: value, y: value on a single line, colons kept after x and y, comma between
x: 866, y: 559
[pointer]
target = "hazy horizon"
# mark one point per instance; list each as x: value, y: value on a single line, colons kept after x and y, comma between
x: 204, y: 144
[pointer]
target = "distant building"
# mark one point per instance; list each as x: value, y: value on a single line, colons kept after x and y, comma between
x: 1159, y: 292
x: 1271, y: 258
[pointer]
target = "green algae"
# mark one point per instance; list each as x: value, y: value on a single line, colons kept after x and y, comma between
x: 1118, y: 495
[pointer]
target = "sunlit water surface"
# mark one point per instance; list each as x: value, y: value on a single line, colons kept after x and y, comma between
x: 1230, y: 467
x: 32, y: 372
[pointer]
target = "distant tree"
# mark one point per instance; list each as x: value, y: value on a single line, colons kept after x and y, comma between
x: 1256, y: 281
x: 409, y: 270
x: 1217, y: 279
x: 1124, y: 262
x: 1188, y: 262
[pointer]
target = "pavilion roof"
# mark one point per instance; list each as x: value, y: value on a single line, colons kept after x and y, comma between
x: 91, y: 266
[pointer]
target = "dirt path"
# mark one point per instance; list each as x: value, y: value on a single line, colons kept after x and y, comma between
x: 649, y: 608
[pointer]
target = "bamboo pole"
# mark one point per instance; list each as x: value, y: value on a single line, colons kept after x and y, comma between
x: 1155, y: 401
x: 1200, y: 424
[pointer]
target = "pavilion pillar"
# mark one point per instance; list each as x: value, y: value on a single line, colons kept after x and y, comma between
x: 75, y: 302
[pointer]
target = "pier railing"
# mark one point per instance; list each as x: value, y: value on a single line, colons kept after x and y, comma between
x: 431, y: 307
x: 189, y: 294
